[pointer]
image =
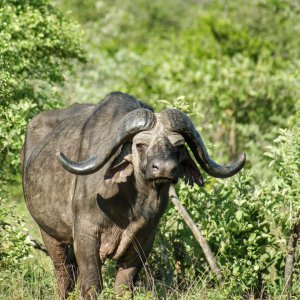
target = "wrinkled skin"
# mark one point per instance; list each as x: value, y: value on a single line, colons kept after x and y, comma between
x: 112, y: 212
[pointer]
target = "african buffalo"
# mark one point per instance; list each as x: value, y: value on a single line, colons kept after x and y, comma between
x: 96, y: 180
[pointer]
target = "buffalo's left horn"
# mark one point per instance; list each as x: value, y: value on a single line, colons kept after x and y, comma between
x: 132, y: 123
x: 182, y: 124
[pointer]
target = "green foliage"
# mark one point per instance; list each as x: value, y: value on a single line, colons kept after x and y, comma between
x: 37, y: 44
x: 246, y: 224
x: 32, y: 281
x: 13, y: 247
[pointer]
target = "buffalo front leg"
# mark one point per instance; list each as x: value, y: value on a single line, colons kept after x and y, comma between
x: 65, y: 269
x: 86, y: 248
x: 134, y: 259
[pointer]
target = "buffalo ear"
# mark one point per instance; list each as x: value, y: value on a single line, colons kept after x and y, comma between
x: 121, y: 167
x: 189, y: 171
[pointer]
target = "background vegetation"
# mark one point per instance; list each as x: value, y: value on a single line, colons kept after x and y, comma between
x: 231, y: 65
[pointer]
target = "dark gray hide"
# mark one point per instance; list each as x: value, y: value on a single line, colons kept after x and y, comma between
x: 125, y: 157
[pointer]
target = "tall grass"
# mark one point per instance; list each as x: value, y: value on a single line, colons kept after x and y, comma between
x: 34, y: 280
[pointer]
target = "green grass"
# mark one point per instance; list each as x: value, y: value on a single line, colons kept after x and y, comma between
x: 32, y: 280
x: 36, y: 282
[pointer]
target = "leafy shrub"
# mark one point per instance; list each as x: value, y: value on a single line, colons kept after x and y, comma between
x: 14, y: 247
x: 37, y: 44
x: 246, y: 224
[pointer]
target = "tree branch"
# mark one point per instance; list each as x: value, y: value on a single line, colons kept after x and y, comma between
x: 290, y: 257
x: 36, y: 244
x: 199, y: 237
x: 29, y: 239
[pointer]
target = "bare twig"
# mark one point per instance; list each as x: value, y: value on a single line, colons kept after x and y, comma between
x: 36, y: 244
x: 200, y: 238
x: 290, y: 257
x: 29, y: 239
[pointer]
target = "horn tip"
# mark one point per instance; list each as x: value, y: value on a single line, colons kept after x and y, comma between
x: 62, y: 159
x: 242, y: 157
x: 60, y: 156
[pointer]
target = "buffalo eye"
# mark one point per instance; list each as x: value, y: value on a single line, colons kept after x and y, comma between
x: 179, y: 144
x: 141, y: 147
x: 179, y: 147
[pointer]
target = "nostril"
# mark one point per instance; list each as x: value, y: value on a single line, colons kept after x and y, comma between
x: 174, y: 171
x: 155, y: 168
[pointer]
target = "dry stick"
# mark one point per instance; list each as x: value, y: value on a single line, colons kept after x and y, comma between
x: 29, y: 239
x: 290, y: 257
x: 199, y: 237
x: 36, y: 244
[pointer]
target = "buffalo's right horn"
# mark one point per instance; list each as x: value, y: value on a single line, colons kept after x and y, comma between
x: 182, y: 124
x: 135, y: 121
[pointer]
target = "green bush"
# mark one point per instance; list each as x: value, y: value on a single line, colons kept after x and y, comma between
x: 13, y: 247
x: 246, y: 224
x: 37, y: 45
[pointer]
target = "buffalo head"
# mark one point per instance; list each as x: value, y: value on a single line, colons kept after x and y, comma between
x: 153, y: 147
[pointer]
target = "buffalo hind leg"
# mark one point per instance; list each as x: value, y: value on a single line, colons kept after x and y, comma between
x: 65, y: 266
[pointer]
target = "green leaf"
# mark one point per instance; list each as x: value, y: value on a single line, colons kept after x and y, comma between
x: 239, y: 215
x: 252, y: 237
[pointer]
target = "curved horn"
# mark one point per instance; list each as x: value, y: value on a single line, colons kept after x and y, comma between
x: 181, y: 123
x: 132, y: 123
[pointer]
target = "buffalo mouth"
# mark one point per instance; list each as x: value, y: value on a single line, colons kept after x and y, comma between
x: 162, y: 180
